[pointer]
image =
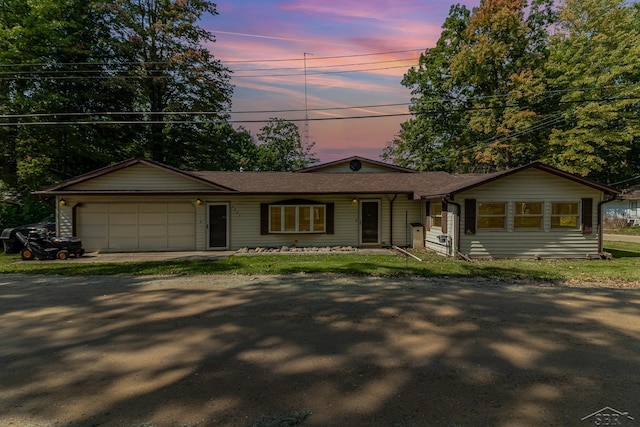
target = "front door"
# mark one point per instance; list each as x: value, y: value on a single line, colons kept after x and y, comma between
x: 370, y: 222
x: 218, y: 226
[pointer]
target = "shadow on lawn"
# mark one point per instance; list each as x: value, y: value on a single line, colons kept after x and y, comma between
x: 619, y: 253
x: 355, y: 351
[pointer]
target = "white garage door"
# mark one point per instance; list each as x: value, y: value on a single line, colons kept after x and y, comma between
x: 136, y: 226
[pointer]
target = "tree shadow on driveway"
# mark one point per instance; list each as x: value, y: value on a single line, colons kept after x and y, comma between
x: 224, y: 350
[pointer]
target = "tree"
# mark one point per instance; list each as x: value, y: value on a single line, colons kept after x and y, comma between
x: 595, y: 58
x: 176, y: 72
x: 54, y: 62
x: 281, y: 148
x: 480, y: 91
x: 428, y: 140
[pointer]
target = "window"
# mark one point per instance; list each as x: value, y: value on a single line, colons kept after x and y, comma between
x: 527, y: 215
x: 492, y: 215
x: 436, y: 214
x: 297, y: 219
x: 564, y: 215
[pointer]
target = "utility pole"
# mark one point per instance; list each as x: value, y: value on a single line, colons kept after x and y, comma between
x: 306, y: 105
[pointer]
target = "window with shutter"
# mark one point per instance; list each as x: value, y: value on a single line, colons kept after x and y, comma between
x: 470, y: 216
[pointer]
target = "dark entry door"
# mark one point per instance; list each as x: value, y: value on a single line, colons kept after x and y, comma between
x: 370, y: 222
x: 217, y: 226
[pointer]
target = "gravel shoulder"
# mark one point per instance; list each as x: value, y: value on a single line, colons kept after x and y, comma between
x: 226, y: 350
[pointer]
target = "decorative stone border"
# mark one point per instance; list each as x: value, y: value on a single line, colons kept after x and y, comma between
x: 294, y: 249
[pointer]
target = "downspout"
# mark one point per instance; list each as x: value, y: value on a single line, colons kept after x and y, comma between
x: 600, y: 231
x: 458, y: 212
x: 391, y: 219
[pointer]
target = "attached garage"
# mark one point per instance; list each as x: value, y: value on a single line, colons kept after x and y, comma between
x: 136, y: 226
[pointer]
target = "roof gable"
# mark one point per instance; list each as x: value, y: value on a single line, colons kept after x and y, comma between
x: 355, y: 164
x: 135, y: 175
x: 468, y: 182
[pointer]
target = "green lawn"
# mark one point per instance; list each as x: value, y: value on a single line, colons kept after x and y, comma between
x: 623, y: 268
x: 627, y: 231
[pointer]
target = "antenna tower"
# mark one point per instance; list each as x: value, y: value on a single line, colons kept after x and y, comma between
x: 306, y: 105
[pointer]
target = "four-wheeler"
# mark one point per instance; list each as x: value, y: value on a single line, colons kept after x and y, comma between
x: 42, y: 246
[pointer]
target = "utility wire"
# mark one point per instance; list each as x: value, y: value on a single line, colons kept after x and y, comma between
x: 115, y: 70
x: 153, y: 75
x: 44, y: 64
x: 205, y: 113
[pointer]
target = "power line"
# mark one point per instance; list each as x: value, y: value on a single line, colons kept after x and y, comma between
x: 323, y: 66
x: 328, y: 57
x: 46, y: 64
x: 155, y: 72
x: 215, y: 113
x: 148, y: 122
x: 140, y: 113
x: 156, y: 75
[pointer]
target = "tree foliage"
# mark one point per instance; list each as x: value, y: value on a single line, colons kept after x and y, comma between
x: 174, y: 72
x: 478, y: 89
x: 595, y: 61
x: 498, y: 91
x: 281, y: 148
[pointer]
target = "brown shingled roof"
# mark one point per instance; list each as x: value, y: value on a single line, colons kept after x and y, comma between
x: 415, y: 184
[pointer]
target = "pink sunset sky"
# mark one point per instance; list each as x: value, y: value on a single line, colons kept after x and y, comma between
x: 356, y: 54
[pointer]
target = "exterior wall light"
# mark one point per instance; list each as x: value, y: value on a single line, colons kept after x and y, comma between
x: 63, y: 202
x: 354, y: 201
x: 198, y: 202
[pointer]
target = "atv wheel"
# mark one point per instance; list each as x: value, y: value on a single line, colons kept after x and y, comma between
x: 63, y: 255
x: 27, y: 254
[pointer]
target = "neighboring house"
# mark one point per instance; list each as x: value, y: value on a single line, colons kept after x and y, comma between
x: 140, y: 205
x: 625, y: 211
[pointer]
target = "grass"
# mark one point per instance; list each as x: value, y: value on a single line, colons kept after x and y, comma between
x: 623, y: 267
x: 627, y: 231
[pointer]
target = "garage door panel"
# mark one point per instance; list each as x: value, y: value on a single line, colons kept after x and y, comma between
x: 93, y: 230
x: 93, y: 243
x: 153, y: 231
x: 88, y: 218
x: 152, y: 218
x: 123, y: 230
x: 123, y: 243
x: 123, y: 207
x: 180, y: 243
x: 137, y: 226
x: 180, y: 207
x: 123, y: 219
x: 152, y: 207
x: 181, y: 230
x: 152, y: 242
x: 180, y: 218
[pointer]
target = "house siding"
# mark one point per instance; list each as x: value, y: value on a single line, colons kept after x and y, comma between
x: 532, y: 186
x: 140, y: 177
x: 405, y: 212
x: 244, y: 222
x: 432, y: 236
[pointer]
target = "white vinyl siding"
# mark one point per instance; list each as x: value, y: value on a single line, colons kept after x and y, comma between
x: 244, y: 222
x: 405, y: 212
x: 518, y: 243
x: 432, y: 236
x: 141, y: 177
